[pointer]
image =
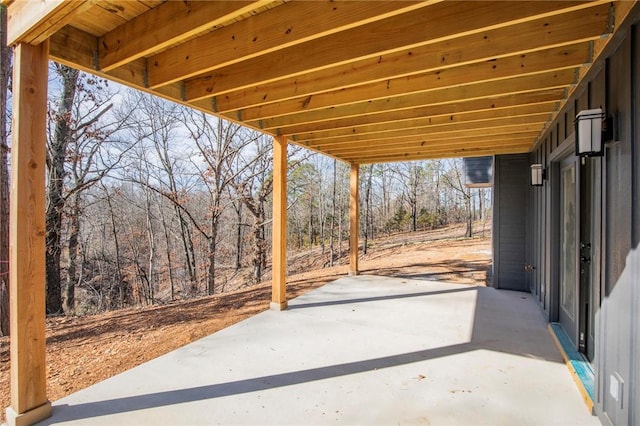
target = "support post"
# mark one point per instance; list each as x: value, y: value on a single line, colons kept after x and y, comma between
x: 29, y: 402
x: 354, y: 209
x: 279, y: 240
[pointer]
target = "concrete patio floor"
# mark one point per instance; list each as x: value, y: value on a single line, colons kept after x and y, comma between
x: 360, y: 350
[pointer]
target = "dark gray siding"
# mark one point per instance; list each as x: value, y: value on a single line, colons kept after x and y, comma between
x: 634, y: 258
x: 510, y: 221
x: 615, y: 230
x: 616, y: 306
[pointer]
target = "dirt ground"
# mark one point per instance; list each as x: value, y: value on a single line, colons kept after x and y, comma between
x: 84, y: 350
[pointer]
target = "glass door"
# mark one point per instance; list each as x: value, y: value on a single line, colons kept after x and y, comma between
x: 568, y: 279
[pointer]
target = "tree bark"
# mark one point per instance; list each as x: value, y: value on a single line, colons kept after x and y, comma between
x: 117, y: 291
x: 167, y: 239
x: 238, y: 208
x: 72, y: 242
x: 5, y: 71
x: 57, y: 150
x: 333, y: 215
x: 367, y: 210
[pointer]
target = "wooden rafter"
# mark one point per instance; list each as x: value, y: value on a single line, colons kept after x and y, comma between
x: 493, y: 118
x: 155, y: 30
x: 563, y: 58
x: 275, y: 30
x: 560, y: 30
x: 394, y: 34
x: 517, y: 85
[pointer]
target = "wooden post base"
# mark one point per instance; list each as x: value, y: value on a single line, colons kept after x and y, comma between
x: 275, y: 306
x: 30, y: 417
x: 353, y: 273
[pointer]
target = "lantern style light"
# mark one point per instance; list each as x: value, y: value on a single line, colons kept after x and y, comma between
x: 589, y: 133
x: 538, y: 175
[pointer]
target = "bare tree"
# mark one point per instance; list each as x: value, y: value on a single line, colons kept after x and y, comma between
x: 368, y: 172
x: 5, y: 72
x: 253, y: 187
x: 93, y: 151
x: 158, y: 124
x: 454, y: 179
x: 75, y: 162
x: 333, y: 213
x: 413, y: 178
x: 56, y: 155
x: 219, y: 143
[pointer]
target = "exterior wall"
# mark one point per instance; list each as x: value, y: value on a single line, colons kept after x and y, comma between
x: 510, y: 221
x: 614, y: 229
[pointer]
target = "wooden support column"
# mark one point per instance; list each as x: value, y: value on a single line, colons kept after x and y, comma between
x: 29, y: 402
x: 279, y: 240
x: 354, y: 209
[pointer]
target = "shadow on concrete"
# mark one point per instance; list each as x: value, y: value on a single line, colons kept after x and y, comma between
x: 451, y: 270
x: 377, y: 298
x: 503, y: 321
x: 65, y: 413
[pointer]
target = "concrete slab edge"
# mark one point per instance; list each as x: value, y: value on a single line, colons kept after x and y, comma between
x: 571, y: 365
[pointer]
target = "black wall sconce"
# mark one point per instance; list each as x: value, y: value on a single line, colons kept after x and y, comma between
x: 592, y: 130
x: 538, y: 175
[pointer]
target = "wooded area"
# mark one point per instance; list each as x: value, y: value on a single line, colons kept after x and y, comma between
x: 149, y: 201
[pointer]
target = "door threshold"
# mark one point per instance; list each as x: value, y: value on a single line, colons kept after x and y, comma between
x: 579, y: 367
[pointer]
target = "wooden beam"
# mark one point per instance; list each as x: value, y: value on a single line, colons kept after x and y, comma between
x: 34, y: 21
x: 354, y: 214
x: 390, y: 146
x: 282, y: 27
x: 279, y: 240
x: 453, y: 153
x: 481, y: 119
x: 164, y: 26
x: 393, y: 147
x: 516, y: 85
x: 455, y: 112
x: 76, y: 49
x: 427, y: 133
x: 29, y: 402
x: 443, y: 21
x: 561, y: 30
x: 452, y: 150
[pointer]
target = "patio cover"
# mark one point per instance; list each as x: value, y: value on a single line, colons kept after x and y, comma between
x: 360, y: 81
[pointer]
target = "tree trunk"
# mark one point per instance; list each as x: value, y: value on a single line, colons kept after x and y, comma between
x: 367, y: 210
x: 340, y: 219
x: 333, y: 215
x: 55, y: 183
x: 151, y: 237
x: 258, y: 248
x: 187, y: 244
x: 467, y: 195
x: 165, y: 228
x: 5, y: 70
x: 115, y: 291
x: 211, y: 276
x: 238, y: 262
x: 73, y: 246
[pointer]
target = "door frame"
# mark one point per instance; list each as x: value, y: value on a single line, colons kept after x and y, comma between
x: 564, y: 151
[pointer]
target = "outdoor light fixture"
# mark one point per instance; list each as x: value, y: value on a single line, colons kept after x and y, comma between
x: 538, y: 175
x: 591, y: 130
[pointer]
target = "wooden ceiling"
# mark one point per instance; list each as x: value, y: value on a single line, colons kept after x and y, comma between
x: 361, y: 81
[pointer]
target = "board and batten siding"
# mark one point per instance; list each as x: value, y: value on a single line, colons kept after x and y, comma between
x: 511, y: 179
x: 613, y: 85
